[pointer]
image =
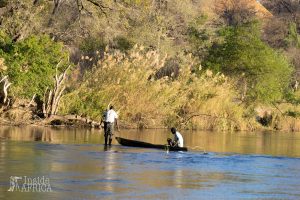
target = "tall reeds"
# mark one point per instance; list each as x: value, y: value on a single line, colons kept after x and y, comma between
x: 193, y: 98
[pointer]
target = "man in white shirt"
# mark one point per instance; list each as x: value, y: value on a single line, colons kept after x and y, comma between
x: 178, y: 139
x: 110, y: 119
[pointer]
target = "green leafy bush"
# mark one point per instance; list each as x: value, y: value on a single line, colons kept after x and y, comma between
x: 293, y: 39
x: 122, y: 43
x: 32, y: 63
x: 264, y: 73
x: 92, y: 44
x: 292, y: 113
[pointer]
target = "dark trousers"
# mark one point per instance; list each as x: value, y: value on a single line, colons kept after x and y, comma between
x: 108, y: 132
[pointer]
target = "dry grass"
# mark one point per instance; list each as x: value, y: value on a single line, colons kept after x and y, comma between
x: 199, y: 101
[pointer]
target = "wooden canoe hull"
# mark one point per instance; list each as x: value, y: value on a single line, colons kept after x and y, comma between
x: 135, y: 143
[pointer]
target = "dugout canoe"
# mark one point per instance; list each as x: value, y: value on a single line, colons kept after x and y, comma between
x: 135, y: 143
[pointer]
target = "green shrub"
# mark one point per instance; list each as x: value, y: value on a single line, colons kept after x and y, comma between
x: 263, y: 74
x: 293, y: 39
x: 293, y: 113
x: 31, y: 63
x: 122, y: 43
x: 92, y: 44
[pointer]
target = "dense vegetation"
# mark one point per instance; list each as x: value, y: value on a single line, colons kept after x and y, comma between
x: 129, y: 81
x: 32, y: 63
x: 198, y: 64
x: 264, y: 74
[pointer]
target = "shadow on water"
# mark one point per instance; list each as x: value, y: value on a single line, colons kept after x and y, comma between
x: 237, y: 166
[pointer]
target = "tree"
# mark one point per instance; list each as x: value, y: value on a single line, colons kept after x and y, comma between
x: 285, y: 24
x: 62, y: 19
x: 52, y: 96
x: 275, y: 32
x: 288, y: 10
x: 31, y: 64
x: 265, y: 73
x: 5, y: 84
x: 283, y: 30
x: 235, y: 12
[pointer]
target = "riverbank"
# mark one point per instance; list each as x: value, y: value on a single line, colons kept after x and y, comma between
x: 25, y: 116
x: 24, y: 113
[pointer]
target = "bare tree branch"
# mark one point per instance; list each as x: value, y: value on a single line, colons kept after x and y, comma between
x: 4, y: 82
x: 52, y: 97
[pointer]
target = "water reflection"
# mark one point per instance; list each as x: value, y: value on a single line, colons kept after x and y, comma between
x: 51, y: 135
x: 109, y: 169
x: 81, y: 170
x: 271, y: 143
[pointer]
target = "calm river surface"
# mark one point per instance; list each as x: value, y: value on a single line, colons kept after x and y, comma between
x: 77, y: 166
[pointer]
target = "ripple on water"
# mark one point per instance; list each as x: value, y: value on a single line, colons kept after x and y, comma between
x: 91, y: 172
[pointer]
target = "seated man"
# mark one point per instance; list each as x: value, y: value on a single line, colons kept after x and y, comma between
x: 178, y: 139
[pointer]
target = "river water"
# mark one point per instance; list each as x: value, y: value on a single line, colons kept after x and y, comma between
x: 77, y: 166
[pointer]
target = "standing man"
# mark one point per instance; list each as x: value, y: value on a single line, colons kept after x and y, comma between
x: 110, y: 120
x: 178, y: 139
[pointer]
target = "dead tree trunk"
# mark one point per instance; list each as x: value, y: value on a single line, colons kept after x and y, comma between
x: 4, y: 85
x: 52, y: 96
